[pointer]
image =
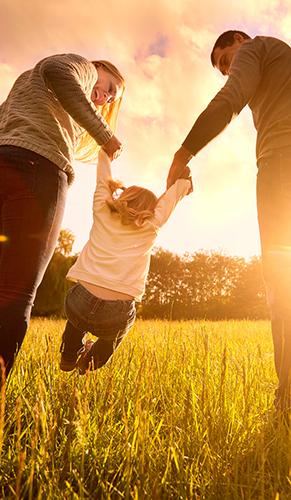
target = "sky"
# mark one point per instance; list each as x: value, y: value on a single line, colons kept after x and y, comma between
x: 162, y: 48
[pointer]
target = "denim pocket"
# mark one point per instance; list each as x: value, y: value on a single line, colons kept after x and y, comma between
x: 285, y: 175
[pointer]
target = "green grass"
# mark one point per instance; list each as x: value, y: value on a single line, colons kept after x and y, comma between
x: 182, y: 411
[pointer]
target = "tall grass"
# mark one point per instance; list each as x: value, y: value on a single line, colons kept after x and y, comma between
x: 182, y: 411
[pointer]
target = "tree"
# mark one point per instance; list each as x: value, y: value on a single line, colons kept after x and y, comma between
x: 249, y: 299
x: 65, y: 242
x: 54, y: 286
x: 210, y: 280
x: 206, y: 284
x: 164, y: 283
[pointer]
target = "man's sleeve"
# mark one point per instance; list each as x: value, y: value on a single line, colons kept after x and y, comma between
x: 243, y: 80
x: 212, y: 121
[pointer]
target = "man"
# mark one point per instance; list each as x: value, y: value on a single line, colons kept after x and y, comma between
x: 259, y: 75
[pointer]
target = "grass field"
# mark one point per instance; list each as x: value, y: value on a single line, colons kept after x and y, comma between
x: 183, y: 411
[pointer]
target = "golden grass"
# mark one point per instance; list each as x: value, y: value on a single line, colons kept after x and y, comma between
x: 184, y: 410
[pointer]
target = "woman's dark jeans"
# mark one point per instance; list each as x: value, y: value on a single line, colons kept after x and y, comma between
x: 109, y: 320
x: 33, y: 193
x: 274, y: 216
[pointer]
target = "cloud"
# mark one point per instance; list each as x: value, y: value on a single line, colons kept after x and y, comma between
x: 158, y: 47
x: 162, y: 48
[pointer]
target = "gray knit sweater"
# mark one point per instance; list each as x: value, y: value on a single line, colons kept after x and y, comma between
x: 260, y: 76
x: 49, y: 107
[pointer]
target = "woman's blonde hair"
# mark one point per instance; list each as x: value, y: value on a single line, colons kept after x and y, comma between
x: 133, y: 206
x: 88, y: 148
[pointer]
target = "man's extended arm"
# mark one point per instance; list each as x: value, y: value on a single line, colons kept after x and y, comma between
x: 212, y: 121
x: 243, y: 80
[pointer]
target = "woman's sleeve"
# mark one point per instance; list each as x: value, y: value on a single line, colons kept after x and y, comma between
x: 169, y: 200
x: 71, y: 78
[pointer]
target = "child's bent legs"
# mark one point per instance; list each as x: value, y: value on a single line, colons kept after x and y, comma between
x: 102, y: 350
x: 109, y: 320
x: 72, y: 342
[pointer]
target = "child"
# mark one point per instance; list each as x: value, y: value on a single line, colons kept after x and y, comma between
x: 112, y: 268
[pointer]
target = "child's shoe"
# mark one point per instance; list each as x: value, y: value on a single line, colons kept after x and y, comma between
x: 82, y: 363
x: 67, y: 365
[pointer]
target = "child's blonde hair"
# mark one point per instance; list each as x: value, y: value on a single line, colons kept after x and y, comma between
x: 133, y: 206
x: 88, y: 148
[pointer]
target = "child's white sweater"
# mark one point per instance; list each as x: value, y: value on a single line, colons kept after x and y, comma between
x: 117, y: 257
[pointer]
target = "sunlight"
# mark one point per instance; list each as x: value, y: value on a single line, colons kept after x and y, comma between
x: 228, y: 205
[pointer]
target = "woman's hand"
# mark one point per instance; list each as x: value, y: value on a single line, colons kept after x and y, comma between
x: 113, y: 148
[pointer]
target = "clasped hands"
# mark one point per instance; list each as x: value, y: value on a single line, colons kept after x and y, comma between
x: 179, y: 168
x: 113, y: 148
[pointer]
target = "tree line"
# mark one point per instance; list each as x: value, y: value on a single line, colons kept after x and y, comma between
x: 201, y: 285
x: 204, y: 284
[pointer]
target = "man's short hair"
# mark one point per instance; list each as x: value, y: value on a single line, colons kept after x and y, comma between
x: 226, y: 39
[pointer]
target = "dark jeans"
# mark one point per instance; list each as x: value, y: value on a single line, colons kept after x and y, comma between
x: 274, y: 216
x: 109, y: 320
x: 32, y: 199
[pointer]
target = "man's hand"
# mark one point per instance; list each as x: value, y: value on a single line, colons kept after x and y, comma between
x: 113, y: 148
x: 181, y: 158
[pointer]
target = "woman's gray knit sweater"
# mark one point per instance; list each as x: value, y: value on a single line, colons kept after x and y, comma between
x: 49, y: 107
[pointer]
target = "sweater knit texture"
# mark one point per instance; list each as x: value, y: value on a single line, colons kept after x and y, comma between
x: 117, y: 256
x: 49, y: 107
x: 260, y: 76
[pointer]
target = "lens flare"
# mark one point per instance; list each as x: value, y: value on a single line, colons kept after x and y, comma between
x: 3, y: 238
x: 282, y: 250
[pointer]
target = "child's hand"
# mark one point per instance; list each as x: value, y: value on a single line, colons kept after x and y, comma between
x: 186, y: 174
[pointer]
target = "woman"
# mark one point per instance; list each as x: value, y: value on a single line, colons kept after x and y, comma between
x: 65, y: 108
x: 112, y: 268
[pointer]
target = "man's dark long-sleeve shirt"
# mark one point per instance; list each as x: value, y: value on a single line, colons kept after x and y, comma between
x: 260, y: 77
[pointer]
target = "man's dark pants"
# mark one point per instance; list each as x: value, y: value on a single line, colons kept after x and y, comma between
x: 274, y: 216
